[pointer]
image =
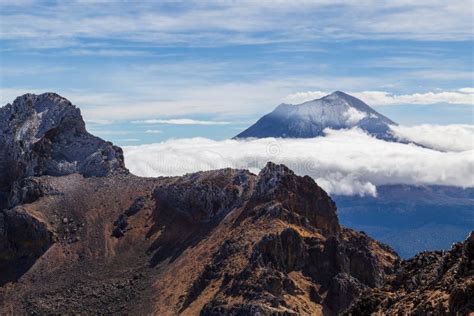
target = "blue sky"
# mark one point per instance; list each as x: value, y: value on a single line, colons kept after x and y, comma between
x: 211, y: 69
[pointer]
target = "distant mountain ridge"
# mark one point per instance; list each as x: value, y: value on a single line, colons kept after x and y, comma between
x: 337, y: 110
x: 410, y: 218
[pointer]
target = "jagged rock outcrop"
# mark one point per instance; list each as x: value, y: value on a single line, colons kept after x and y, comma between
x: 286, y: 266
x: 206, y: 196
x: 46, y: 135
x: 284, y: 252
x: 436, y: 283
x: 279, y: 188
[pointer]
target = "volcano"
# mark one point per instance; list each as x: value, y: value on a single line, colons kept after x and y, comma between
x: 337, y: 110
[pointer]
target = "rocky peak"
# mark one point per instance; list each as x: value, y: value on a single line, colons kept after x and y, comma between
x: 39, y: 103
x: 206, y: 196
x: 271, y: 178
x: 46, y: 135
x: 337, y: 95
x: 31, y: 116
x: 300, y: 195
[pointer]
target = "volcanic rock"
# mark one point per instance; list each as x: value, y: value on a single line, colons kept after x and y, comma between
x: 46, y: 135
x: 438, y: 283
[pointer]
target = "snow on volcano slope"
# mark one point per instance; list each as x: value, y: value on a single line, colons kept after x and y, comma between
x: 336, y: 111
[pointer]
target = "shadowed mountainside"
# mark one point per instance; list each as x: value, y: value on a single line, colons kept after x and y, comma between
x: 410, y: 218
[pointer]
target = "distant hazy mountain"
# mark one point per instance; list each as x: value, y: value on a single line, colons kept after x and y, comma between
x: 337, y: 111
x: 411, y: 218
x: 191, y: 245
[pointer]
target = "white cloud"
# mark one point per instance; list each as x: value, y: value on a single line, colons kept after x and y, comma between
x: 110, y: 52
x: 300, y: 97
x: 441, y: 137
x: 464, y: 96
x: 183, y: 121
x: 467, y: 90
x: 99, y: 122
x: 155, y: 98
x: 353, y: 116
x: 343, y: 162
x: 386, y: 98
x: 153, y: 131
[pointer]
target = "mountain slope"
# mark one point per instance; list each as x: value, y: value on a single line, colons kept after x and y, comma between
x: 337, y: 111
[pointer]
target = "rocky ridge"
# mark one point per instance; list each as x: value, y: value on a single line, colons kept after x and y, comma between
x: 436, y: 283
x: 253, y: 253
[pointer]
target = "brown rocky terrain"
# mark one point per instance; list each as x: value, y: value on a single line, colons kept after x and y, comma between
x: 223, y: 242
x: 217, y: 242
x: 436, y: 283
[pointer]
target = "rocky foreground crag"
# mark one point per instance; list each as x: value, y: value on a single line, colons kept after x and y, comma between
x: 81, y: 235
x: 46, y: 135
x: 436, y: 283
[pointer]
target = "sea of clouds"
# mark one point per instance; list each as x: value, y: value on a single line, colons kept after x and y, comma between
x: 343, y: 162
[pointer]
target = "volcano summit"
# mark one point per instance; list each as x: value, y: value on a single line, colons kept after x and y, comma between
x: 309, y: 119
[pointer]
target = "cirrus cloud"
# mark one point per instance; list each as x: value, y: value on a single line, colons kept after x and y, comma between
x: 183, y: 121
x: 204, y: 23
x: 464, y: 96
x: 153, y: 131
